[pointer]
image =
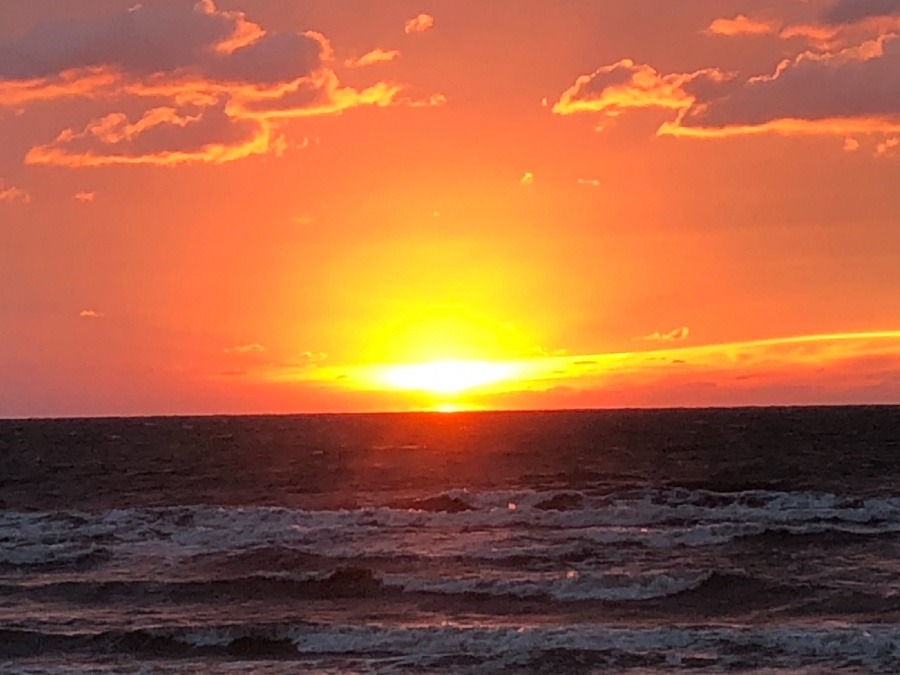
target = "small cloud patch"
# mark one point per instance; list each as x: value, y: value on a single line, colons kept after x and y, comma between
x: 9, y: 193
x: 888, y: 148
x: 252, y: 348
x: 419, y: 24
x: 676, y: 335
x: 373, y: 57
x: 743, y: 25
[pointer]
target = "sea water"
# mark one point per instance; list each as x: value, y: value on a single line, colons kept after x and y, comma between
x: 760, y: 540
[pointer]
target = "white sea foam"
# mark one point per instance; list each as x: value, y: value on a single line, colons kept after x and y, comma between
x: 565, y: 586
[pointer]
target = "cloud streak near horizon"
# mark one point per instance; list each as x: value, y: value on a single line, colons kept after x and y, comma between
x: 843, y: 361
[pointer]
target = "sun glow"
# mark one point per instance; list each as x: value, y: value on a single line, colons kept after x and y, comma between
x: 446, y: 377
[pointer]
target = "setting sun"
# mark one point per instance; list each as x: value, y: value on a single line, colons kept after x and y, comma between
x: 450, y: 335
x: 446, y: 377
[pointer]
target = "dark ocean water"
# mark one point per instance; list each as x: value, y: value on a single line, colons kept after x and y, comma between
x: 762, y: 540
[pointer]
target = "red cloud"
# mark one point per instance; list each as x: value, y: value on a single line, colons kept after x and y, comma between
x: 849, y: 91
x: 218, y: 81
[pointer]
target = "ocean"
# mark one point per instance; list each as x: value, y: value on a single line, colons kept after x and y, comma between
x: 735, y: 540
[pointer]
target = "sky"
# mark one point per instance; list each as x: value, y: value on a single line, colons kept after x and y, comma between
x: 248, y: 206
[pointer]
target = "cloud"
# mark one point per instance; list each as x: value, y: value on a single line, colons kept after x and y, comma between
x: 319, y: 95
x: 626, y: 84
x: 888, y: 148
x: 90, y: 314
x: 207, y: 136
x: 527, y: 178
x: 433, y: 101
x: 592, y: 182
x: 252, y: 348
x: 80, y: 83
x: 847, y: 92
x: 851, y: 11
x: 305, y: 362
x: 217, y: 84
x: 375, y: 56
x: 848, y: 22
x: 743, y: 25
x: 851, y: 145
x: 10, y: 193
x: 84, y: 196
x: 675, y: 335
x: 419, y: 24
x: 307, y: 358
x: 854, y: 90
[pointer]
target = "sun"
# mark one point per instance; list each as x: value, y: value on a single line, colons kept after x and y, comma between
x: 446, y: 377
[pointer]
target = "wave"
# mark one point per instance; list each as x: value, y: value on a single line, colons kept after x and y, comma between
x: 358, y: 582
x: 343, y: 582
x: 440, y: 504
x: 493, y: 525
x: 570, y: 586
x: 458, y: 648
x: 244, y: 642
x: 668, y: 593
x: 54, y: 558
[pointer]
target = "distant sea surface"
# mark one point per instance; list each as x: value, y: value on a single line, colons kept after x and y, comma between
x: 751, y: 540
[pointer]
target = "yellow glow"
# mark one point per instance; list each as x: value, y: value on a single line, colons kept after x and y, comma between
x: 446, y: 377
x: 612, y: 378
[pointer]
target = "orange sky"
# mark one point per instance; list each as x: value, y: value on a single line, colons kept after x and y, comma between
x: 260, y: 206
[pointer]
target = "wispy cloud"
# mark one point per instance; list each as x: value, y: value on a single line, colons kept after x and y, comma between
x: 84, y: 197
x: 527, y: 178
x: 375, y: 56
x: 90, y: 314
